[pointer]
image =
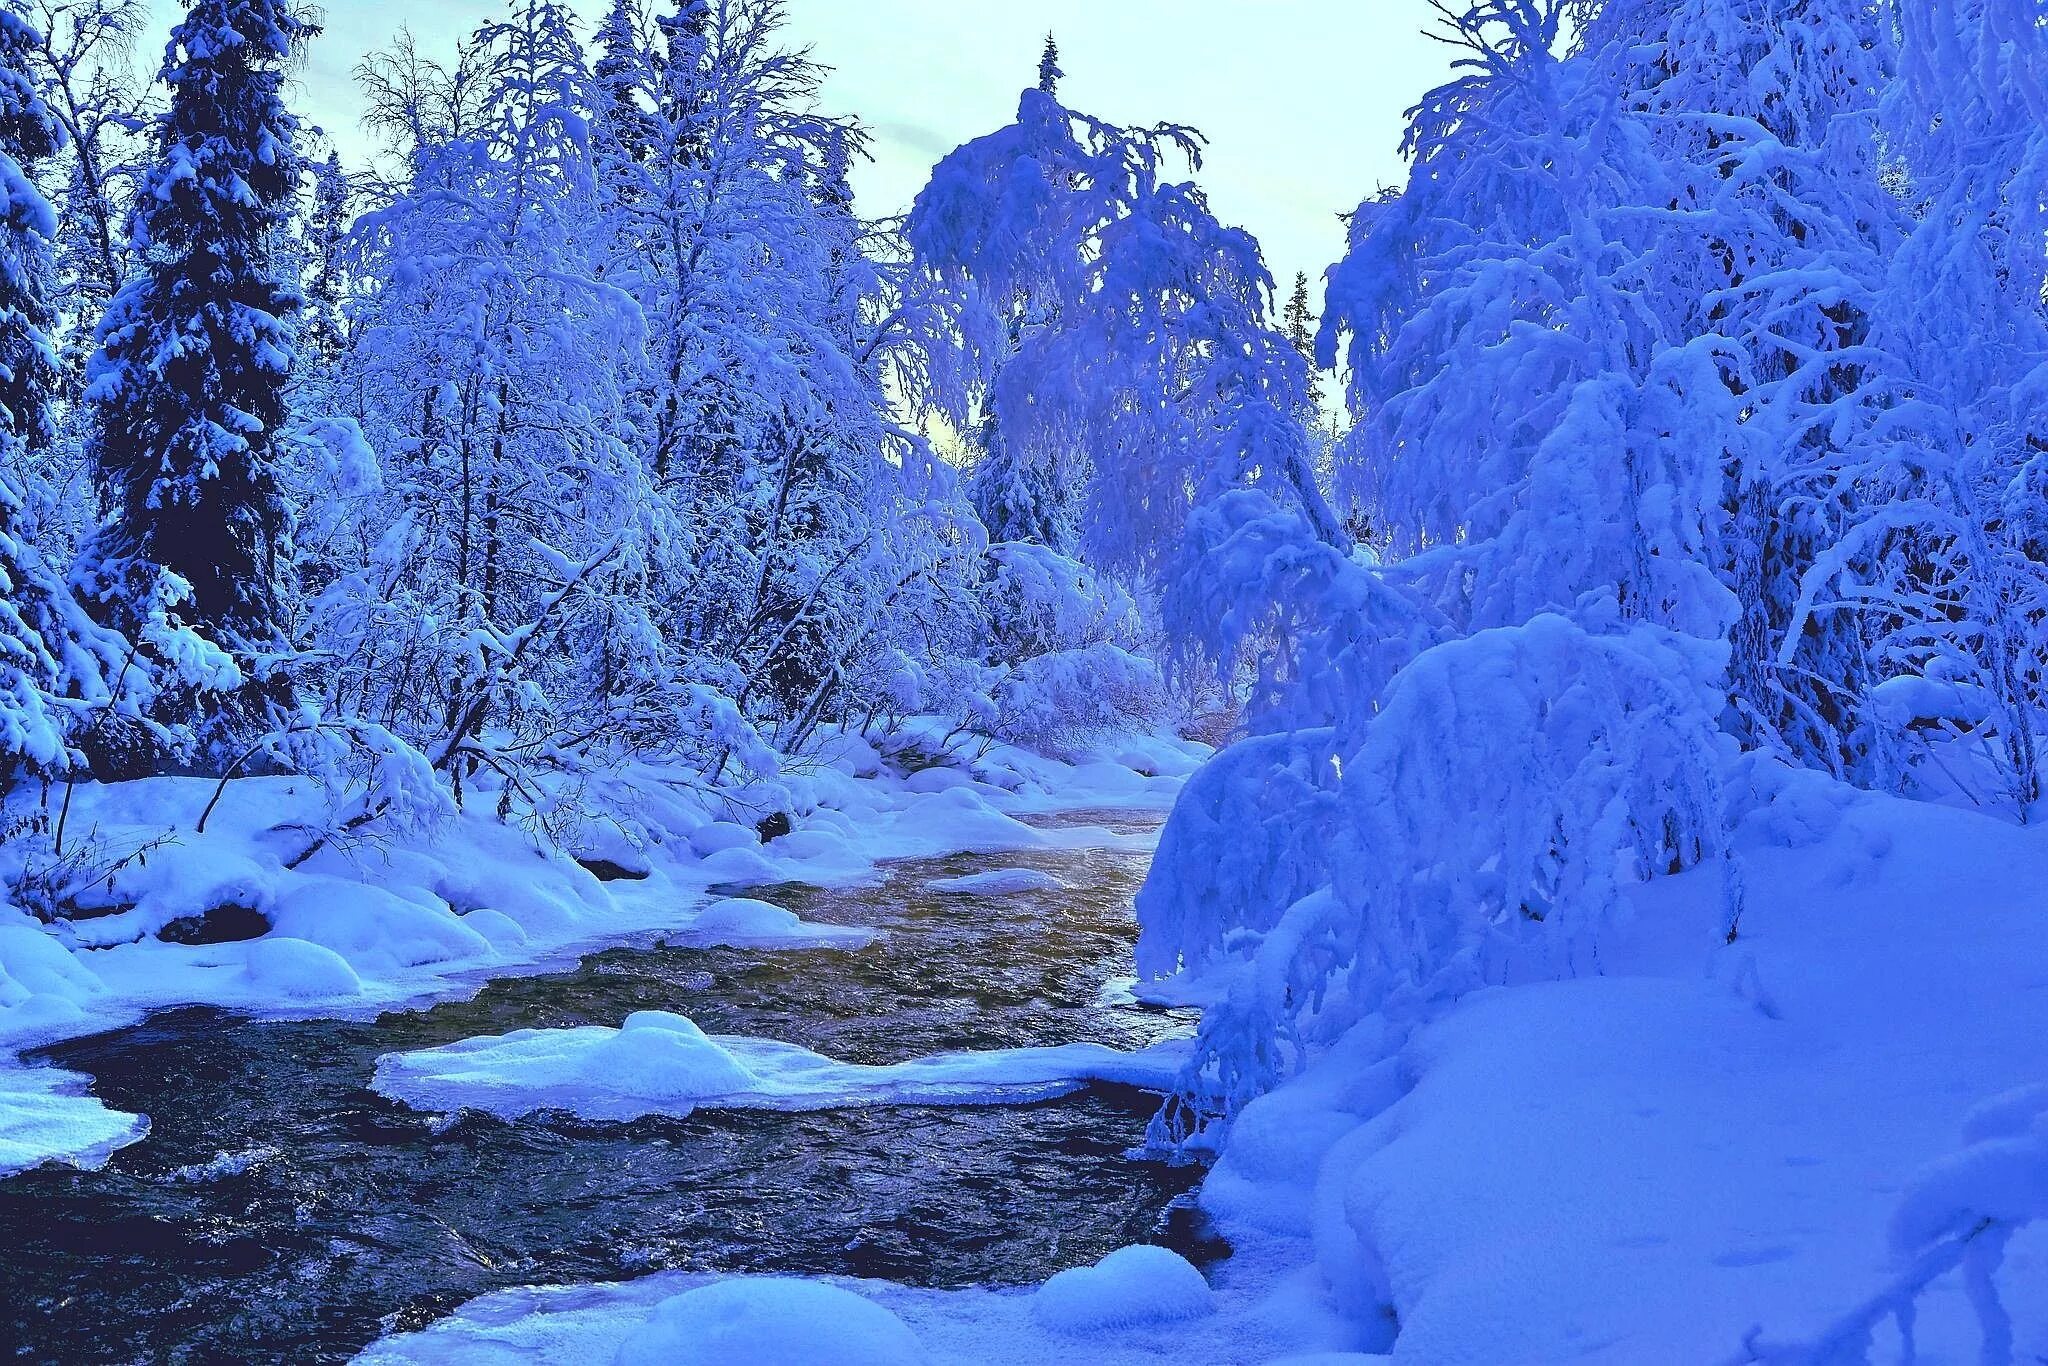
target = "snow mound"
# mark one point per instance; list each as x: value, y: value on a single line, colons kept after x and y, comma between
x: 1000, y: 882
x: 41, y: 985
x: 46, y: 1116
x: 1129, y: 1288
x: 2002, y: 1177
x: 719, y: 836
x: 374, y: 929
x: 300, y: 970
x: 661, y: 1063
x: 743, y: 922
x: 771, y: 1321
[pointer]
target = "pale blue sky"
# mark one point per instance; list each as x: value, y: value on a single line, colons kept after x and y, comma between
x: 1302, y: 99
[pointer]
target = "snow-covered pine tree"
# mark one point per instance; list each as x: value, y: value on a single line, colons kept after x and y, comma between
x: 620, y: 70
x: 189, y: 382
x: 1459, y: 754
x: 1300, y: 318
x: 1949, y: 572
x: 795, y: 524
x: 54, y: 661
x: 487, y: 369
x: 1531, y: 435
x: 685, y: 45
x: 1299, y: 322
x: 323, y: 328
x: 1049, y: 73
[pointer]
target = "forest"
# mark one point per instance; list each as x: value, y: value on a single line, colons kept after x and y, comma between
x: 604, y: 758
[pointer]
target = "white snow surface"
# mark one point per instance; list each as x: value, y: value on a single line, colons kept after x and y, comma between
x: 1262, y: 1311
x: 1708, y: 1140
x: 661, y: 1063
x: 46, y: 1116
x: 408, y: 917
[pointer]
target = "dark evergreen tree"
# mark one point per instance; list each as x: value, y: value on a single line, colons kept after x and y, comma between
x: 189, y: 382
x: 1299, y: 320
x: 1049, y: 72
x: 51, y: 655
x: 621, y: 64
x: 683, y: 83
x: 1017, y: 501
x: 1300, y: 324
x: 326, y: 236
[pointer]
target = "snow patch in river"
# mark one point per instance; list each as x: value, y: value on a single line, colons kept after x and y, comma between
x: 662, y: 1063
x: 46, y: 1115
x: 999, y: 882
x: 743, y: 922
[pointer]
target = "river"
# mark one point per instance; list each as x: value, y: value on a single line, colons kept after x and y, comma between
x: 281, y: 1211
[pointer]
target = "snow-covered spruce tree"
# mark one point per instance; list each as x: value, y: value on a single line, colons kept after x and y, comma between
x: 1300, y: 318
x: 323, y: 328
x: 793, y: 526
x: 620, y: 69
x: 189, y: 382
x: 56, y: 664
x: 1533, y: 435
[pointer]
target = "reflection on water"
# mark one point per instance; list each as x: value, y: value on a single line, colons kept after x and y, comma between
x: 338, y: 1215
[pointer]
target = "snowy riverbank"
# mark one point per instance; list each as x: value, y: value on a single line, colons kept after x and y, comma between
x: 1703, y: 1145
x: 375, y: 925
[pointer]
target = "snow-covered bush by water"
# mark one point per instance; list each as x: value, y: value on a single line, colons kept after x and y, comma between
x: 1480, y: 828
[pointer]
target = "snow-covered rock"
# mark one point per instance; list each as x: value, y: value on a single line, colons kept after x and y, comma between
x: 1131, y: 1287
x: 722, y: 835
x: 298, y: 969
x: 771, y: 1321
x: 744, y: 921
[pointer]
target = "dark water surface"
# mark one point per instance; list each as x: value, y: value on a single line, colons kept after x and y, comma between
x: 338, y: 1216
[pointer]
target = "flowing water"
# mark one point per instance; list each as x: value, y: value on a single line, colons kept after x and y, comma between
x: 280, y: 1211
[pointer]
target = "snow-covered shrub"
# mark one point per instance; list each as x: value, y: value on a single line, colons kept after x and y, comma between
x: 1065, y: 696
x: 1132, y: 1287
x: 47, y: 869
x: 1039, y: 601
x: 1064, y: 646
x: 1482, y: 825
x: 1956, y: 1215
